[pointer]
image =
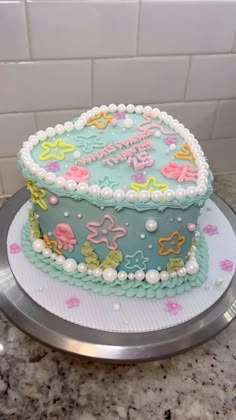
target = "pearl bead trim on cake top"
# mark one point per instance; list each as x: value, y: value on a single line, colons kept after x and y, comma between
x: 117, y: 194
x: 151, y: 276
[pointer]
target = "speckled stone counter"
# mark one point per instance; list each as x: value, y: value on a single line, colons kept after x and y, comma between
x: 38, y: 383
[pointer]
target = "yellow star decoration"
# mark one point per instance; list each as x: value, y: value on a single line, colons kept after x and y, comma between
x: 150, y: 185
x: 56, y: 150
x: 186, y: 153
x: 176, y: 247
x: 100, y: 120
x: 51, y: 244
x: 37, y: 195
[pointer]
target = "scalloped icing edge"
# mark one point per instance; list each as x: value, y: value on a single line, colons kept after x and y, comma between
x: 130, y: 288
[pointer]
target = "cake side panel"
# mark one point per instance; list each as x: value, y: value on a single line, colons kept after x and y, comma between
x: 127, y: 239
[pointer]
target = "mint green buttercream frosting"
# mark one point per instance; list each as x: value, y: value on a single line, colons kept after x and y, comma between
x: 130, y: 288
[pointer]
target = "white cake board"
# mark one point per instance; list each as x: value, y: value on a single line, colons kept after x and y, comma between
x: 135, y: 315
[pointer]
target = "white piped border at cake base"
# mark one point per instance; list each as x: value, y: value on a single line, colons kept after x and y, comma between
x: 117, y: 194
x: 151, y: 276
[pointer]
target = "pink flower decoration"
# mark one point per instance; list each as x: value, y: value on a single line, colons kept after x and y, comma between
x: 65, y: 237
x: 139, y: 178
x: 52, y: 166
x: 78, y: 174
x: 73, y: 302
x: 211, y: 230
x: 172, y: 307
x: 227, y: 265
x: 15, y: 248
x: 119, y: 115
x: 105, y: 231
x: 170, y: 140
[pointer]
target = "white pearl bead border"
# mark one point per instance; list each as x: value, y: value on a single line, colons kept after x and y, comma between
x: 152, y: 276
x: 107, y: 193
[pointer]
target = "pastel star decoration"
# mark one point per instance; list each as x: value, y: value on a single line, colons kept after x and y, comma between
x: 55, y: 150
x: 105, y: 231
x: 88, y: 144
x: 107, y: 181
x: 73, y: 302
x: 37, y: 195
x: 136, y: 261
x: 151, y: 184
x: 175, y: 242
x: 100, y: 121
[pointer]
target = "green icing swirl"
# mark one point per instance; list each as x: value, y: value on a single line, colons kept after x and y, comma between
x: 130, y: 288
x: 197, y: 201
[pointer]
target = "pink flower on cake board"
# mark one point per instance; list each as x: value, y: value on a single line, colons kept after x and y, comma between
x: 73, y: 302
x: 78, y: 174
x: 105, y: 231
x: 227, y: 265
x: 211, y: 230
x: 65, y: 237
x: 172, y: 307
x: 15, y: 248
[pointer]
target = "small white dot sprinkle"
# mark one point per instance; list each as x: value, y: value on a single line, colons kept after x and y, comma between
x: 66, y: 214
x: 171, y: 220
x: 79, y: 215
x: 116, y: 306
x: 206, y: 286
x: 41, y: 289
x: 126, y: 223
x: 159, y: 268
x: 102, y: 207
x: 179, y: 219
x: 49, y: 233
x: 142, y: 236
x: 219, y: 281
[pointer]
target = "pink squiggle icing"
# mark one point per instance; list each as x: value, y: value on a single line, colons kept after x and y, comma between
x: 143, y: 126
x: 180, y: 172
x: 65, y: 237
x: 140, y: 161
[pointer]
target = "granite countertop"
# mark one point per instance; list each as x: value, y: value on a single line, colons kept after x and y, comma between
x: 38, y: 383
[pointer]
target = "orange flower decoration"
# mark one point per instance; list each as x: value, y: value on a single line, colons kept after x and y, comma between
x: 185, y: 154
x: 176, y: 241
x: 52, y: 244
x: 100, y: 120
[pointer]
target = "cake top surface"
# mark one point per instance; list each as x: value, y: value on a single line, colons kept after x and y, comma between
x: 126, y: 156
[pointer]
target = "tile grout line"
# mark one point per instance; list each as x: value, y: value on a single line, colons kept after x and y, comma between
x: 173, y: 102
x: 215, y: 115
x: 234, y: 43
x: 187, y: 77
x: 138, y: 28
x: 27, y: 20
x: 121, y: 57
x: 92, y: 83
x: 36, y: 120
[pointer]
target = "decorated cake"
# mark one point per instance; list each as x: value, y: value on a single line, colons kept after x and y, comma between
x: 116, y: 195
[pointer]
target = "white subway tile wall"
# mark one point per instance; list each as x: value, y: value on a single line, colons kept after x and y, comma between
x: 60, y: 57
